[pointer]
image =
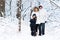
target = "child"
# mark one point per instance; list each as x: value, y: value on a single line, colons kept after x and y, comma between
x: 33, y: 25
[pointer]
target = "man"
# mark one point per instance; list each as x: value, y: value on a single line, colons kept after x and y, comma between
x: 43, y: 19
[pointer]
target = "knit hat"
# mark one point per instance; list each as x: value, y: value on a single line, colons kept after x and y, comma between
x: 34, y: 14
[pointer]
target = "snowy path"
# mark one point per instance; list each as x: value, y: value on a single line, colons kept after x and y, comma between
x: 9, y: 31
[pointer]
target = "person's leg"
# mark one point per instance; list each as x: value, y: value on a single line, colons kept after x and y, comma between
x: 43, y: 28
x: 33, y: 32
x: 34, y: 29
x: 40, y: 29
x: 37, y: 27
x: 31, y: 27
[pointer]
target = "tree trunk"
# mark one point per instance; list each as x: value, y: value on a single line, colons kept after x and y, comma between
x: 19, y: 13
x: 2, y: 8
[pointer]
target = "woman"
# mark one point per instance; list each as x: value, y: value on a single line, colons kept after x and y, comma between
x: 35, y: 11
x: 43, y: 19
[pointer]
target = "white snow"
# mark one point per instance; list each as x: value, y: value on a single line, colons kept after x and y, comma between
x: 9, y: 31
x: 9, y: 25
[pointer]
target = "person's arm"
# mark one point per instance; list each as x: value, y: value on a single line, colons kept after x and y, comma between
x: 45, y: 16
x: 32, y: 15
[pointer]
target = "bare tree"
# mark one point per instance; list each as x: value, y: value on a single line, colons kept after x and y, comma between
x: 8, y: 4
x: 2, y: 8
x: 54, y: 4
x: 19, y: 13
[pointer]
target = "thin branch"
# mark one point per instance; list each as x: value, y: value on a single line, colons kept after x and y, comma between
x: 53, y: 3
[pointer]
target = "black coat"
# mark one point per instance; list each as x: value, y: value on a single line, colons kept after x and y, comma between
x: 32, y: 22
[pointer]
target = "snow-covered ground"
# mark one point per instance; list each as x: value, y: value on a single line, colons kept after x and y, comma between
x: 9, y: 31
x: 9, y: 25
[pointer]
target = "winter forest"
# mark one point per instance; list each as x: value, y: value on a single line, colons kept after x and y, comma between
x: 15, y: 16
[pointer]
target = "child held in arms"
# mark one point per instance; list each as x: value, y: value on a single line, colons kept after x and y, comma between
x: 33, y: 25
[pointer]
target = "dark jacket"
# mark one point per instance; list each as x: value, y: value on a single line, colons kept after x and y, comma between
x: 32, y: 22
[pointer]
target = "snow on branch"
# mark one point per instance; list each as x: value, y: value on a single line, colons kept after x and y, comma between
x: 54, y: 4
